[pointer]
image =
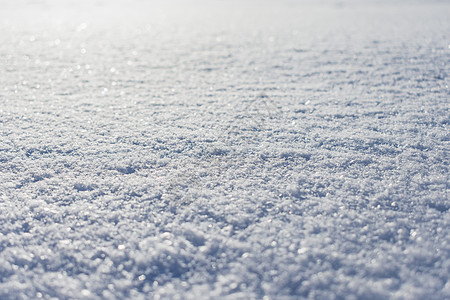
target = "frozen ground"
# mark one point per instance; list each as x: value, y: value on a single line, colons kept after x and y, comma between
x: 224, y: 149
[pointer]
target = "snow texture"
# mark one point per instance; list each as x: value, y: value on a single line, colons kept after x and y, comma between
x: 224, y: 149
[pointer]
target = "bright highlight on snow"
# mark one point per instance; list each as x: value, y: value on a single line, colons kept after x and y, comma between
x: 237, y: 150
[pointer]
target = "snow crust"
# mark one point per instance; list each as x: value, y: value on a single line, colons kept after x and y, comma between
x: 237, y: 150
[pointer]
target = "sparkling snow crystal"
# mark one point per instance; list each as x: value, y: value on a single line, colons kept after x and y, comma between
x: 224, y: 149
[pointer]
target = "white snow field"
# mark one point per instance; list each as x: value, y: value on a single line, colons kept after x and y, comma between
x: 224, y: 149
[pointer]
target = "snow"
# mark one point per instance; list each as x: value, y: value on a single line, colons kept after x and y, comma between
x: 238, y: 150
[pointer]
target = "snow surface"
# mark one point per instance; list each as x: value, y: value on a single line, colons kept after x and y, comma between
x: 224, y: 149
